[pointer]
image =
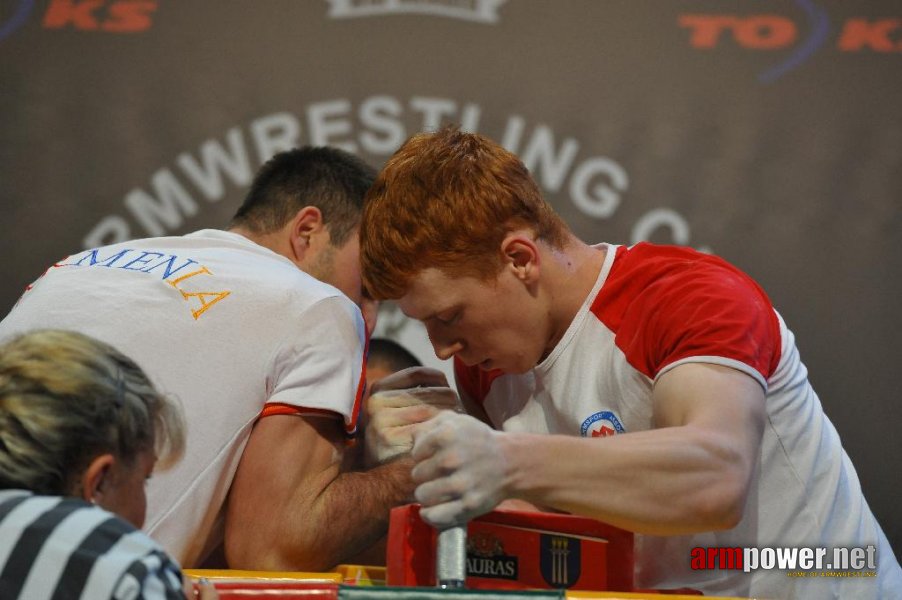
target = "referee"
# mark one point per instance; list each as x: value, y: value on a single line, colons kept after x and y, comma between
x: 80, y: 431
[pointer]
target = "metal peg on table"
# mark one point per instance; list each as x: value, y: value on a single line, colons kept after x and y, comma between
x: 451, y: 557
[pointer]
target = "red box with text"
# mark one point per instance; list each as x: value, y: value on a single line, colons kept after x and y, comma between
x: 516, y: 550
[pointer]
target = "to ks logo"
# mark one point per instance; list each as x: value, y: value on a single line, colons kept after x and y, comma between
x: 116, y: 16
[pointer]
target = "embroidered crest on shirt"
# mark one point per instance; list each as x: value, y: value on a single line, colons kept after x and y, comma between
x: 601, y: 424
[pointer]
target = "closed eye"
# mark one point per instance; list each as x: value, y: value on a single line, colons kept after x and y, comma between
x: 448, y: 319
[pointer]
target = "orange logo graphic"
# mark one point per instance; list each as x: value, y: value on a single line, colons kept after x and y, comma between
x: 775, y: 32
x: 116, y: 16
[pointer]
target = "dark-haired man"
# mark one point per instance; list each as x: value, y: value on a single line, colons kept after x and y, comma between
x: 257, y: 332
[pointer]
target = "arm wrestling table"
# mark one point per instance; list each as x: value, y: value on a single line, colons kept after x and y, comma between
x: 510, y: 555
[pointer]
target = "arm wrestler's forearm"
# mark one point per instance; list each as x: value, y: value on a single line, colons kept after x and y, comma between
x: 297, y: 504
x: 317, y: 531
x: 663, y: 482
x: 354, y: 510
x: 692, y: 473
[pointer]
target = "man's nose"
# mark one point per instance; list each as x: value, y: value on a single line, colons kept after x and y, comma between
x: 444, y: 346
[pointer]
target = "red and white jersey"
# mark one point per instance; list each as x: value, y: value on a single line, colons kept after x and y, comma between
x: 652, y: 309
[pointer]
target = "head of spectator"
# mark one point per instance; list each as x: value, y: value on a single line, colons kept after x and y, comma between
x: 385, y: 357
x: 78, y: 418
x: 306, y: 204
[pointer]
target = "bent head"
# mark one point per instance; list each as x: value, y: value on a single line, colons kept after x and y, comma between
x: 306, y: 204
x: 452, y: 229
x: 79, y: 418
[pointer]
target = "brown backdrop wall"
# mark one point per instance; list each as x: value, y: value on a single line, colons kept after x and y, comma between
x: 768, y: 132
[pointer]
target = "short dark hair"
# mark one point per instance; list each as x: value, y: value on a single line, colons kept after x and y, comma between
x: 391, y: 354
x: 328, y: 178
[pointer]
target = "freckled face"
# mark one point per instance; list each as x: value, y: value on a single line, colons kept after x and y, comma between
x: 494, y: 324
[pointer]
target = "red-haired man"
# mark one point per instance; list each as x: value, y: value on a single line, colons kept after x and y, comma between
x: 651, y: 387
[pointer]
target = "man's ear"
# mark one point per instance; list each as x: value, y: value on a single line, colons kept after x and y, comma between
x: 96, y: 477
x: 521, y: 255
x: 306, y: 223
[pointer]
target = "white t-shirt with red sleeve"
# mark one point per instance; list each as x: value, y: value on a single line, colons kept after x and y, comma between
x: 231, y: 329
x: 652, y: 309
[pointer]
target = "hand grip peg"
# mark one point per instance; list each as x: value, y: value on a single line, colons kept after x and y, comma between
x: 451, y: 557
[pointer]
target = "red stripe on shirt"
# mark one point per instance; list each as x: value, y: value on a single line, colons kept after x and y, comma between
x: 351, y: 426
x: 279, y: 408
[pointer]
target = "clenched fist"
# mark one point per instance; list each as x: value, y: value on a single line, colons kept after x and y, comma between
x: 461, y: 469
x: 398, y: 404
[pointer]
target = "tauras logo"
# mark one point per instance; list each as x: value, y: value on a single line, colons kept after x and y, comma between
x: 560, y: 560
x: 480, y: 11
x: 486, y: 558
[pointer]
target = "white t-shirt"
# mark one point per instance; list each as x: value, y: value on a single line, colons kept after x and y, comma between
x: 226, y: 326
x: 652, y: 309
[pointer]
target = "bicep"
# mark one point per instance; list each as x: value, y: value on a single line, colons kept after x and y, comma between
x: 288, y: 461
x: 718, y: 401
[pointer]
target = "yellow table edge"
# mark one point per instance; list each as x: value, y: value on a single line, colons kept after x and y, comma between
x: 366, y: 575
x: 239, y: 575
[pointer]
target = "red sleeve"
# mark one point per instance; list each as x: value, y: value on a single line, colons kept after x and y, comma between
x: 666, y: 304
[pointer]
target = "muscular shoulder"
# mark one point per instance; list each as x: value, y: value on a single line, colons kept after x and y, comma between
x: 666, y: 303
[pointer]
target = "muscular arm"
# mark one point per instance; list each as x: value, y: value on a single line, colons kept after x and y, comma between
x: 689, y: 474
x: 292, y: 506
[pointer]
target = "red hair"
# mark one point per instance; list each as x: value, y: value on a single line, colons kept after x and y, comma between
x: 446, y: 200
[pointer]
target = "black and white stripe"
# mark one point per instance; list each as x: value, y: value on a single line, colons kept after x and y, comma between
x: 63, y: 548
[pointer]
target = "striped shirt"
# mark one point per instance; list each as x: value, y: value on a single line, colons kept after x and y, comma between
x: 64, y: 548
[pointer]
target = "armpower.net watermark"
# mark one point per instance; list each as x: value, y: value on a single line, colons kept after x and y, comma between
x: 797, y: 562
